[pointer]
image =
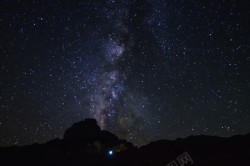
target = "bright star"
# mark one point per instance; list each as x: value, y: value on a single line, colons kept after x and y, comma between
x: 111, y: 152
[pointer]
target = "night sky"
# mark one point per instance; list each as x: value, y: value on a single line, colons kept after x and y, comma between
x: 145, y: 70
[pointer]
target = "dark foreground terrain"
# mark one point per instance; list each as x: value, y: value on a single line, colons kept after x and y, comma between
x: 85, y: 144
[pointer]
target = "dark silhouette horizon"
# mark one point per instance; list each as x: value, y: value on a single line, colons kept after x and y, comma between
x: 84, y: 143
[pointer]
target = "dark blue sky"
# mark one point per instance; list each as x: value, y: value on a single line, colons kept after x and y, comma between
x: 146, y: 70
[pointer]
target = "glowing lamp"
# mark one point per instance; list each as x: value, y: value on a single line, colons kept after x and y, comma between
x: 110, y: 152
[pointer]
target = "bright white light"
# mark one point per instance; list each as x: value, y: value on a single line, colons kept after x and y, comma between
x: 110, y: 152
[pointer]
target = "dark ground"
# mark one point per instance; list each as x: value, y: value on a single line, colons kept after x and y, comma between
x: 85, y: 144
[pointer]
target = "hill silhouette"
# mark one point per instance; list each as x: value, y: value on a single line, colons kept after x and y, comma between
x: 86, y: 144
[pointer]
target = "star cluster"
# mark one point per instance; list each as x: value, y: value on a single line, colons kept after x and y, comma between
x: 146, y: 70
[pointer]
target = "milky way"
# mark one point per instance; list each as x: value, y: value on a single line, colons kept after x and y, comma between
x: 110, y: 101
x: 146, y: 70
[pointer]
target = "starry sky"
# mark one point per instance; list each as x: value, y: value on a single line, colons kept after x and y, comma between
x: 144, y: 69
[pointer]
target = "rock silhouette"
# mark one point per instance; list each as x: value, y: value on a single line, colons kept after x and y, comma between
x: 86, y: 144
x: 88, y: 131
x: 83, y: 130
